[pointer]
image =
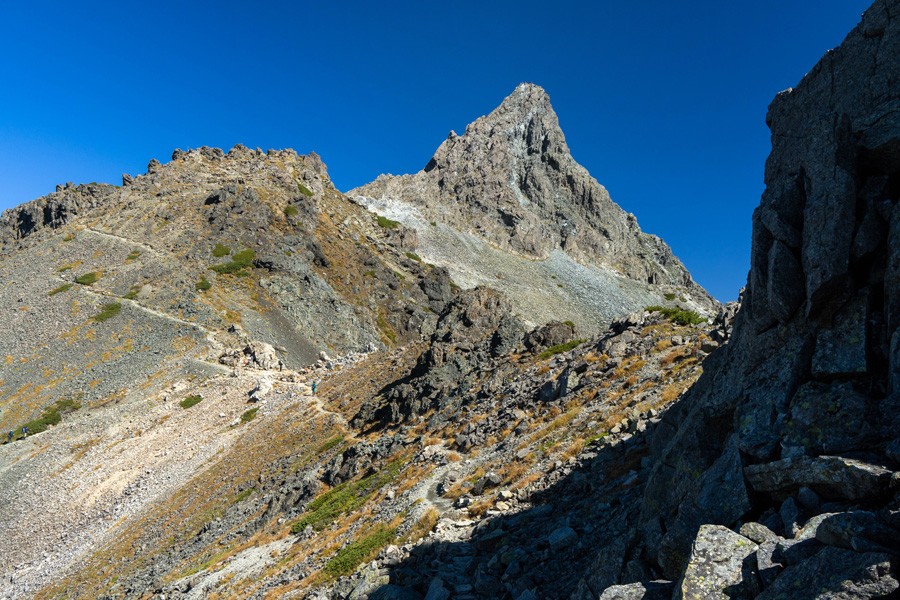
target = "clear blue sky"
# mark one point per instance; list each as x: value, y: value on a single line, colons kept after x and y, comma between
x: 663, y: 102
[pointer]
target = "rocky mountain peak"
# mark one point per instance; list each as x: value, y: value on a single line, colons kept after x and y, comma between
x: 511, y: 181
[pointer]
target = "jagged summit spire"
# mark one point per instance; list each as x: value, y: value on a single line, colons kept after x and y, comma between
x: 511, y: 178
x: 525, y: 112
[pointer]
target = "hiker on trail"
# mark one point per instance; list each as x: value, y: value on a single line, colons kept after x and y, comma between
x: 314, y: 388
x: 24, y: 432
x: 10, y: 436
x: 280, y: 365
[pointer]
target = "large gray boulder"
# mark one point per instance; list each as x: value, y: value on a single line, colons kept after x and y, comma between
x: 651, y: 590
x: 716, y: 569
x: 834, y: 573
x: 834, y: 476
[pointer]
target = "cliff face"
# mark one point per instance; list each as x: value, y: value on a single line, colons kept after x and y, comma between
x: 799, y: 414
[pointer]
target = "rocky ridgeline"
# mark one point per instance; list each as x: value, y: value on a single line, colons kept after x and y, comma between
x: 296, y: 264
x: 317, y: 286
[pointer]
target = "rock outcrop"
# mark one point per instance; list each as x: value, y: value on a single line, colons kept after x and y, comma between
x: 796, y: 417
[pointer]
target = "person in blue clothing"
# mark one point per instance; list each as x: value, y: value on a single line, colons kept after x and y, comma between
x: 24, y: 432
x: 10, y: 436
x: 314, y: 388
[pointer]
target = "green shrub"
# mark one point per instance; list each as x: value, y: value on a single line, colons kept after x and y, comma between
x: 386, y: 329
x: 219, y: 251
x: 669, y: 297
x: 290, y: 211
x: 133, y: 255
x: 249, y: 415
x: 203, y: 284
x: 345, y: 498
x: 369, y: 273
x: 88, y: 278
x: 387, y: 223
x: 68, y: 404
x: 433, y: 223
x: 52, y: 415
x: 109, y: 311
x: 352, y: 555
x: 595, y: 437
x: 238, y: 262
x: 63, y: 288
x: 560, y: 348
x: 244, y: 495
x: 570, y: 324
x: 330, y: 444
x: 303, y: 189
x: 190, y: 401
x: 69, y: 238
x: 413, y: 256
x: 133, y: 292
x: 676, y: 315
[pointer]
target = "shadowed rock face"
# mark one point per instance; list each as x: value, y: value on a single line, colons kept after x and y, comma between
x: 811, y: 373
x: 511, y: 179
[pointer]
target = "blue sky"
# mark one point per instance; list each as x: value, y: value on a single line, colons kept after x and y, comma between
x: 664, y: 103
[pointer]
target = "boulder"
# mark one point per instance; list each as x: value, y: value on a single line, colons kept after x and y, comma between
x: 262, y: 354
x: 552, y: 334
x: 718, y: 496
x: 490, y: 480
x: 757, y: 532
x: 436, y: 285
x: 437, y: 591
x: 263, y: 387
x: 835, y: 573
x: 650, y: 590
x: 847, y: 530
x: 831, y: 476
x: 562, y: 538
x: 717, y: 568
x: 767, y: 566
x: 395, y: 592
x: 372, y: 578
x: 606, y: 566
